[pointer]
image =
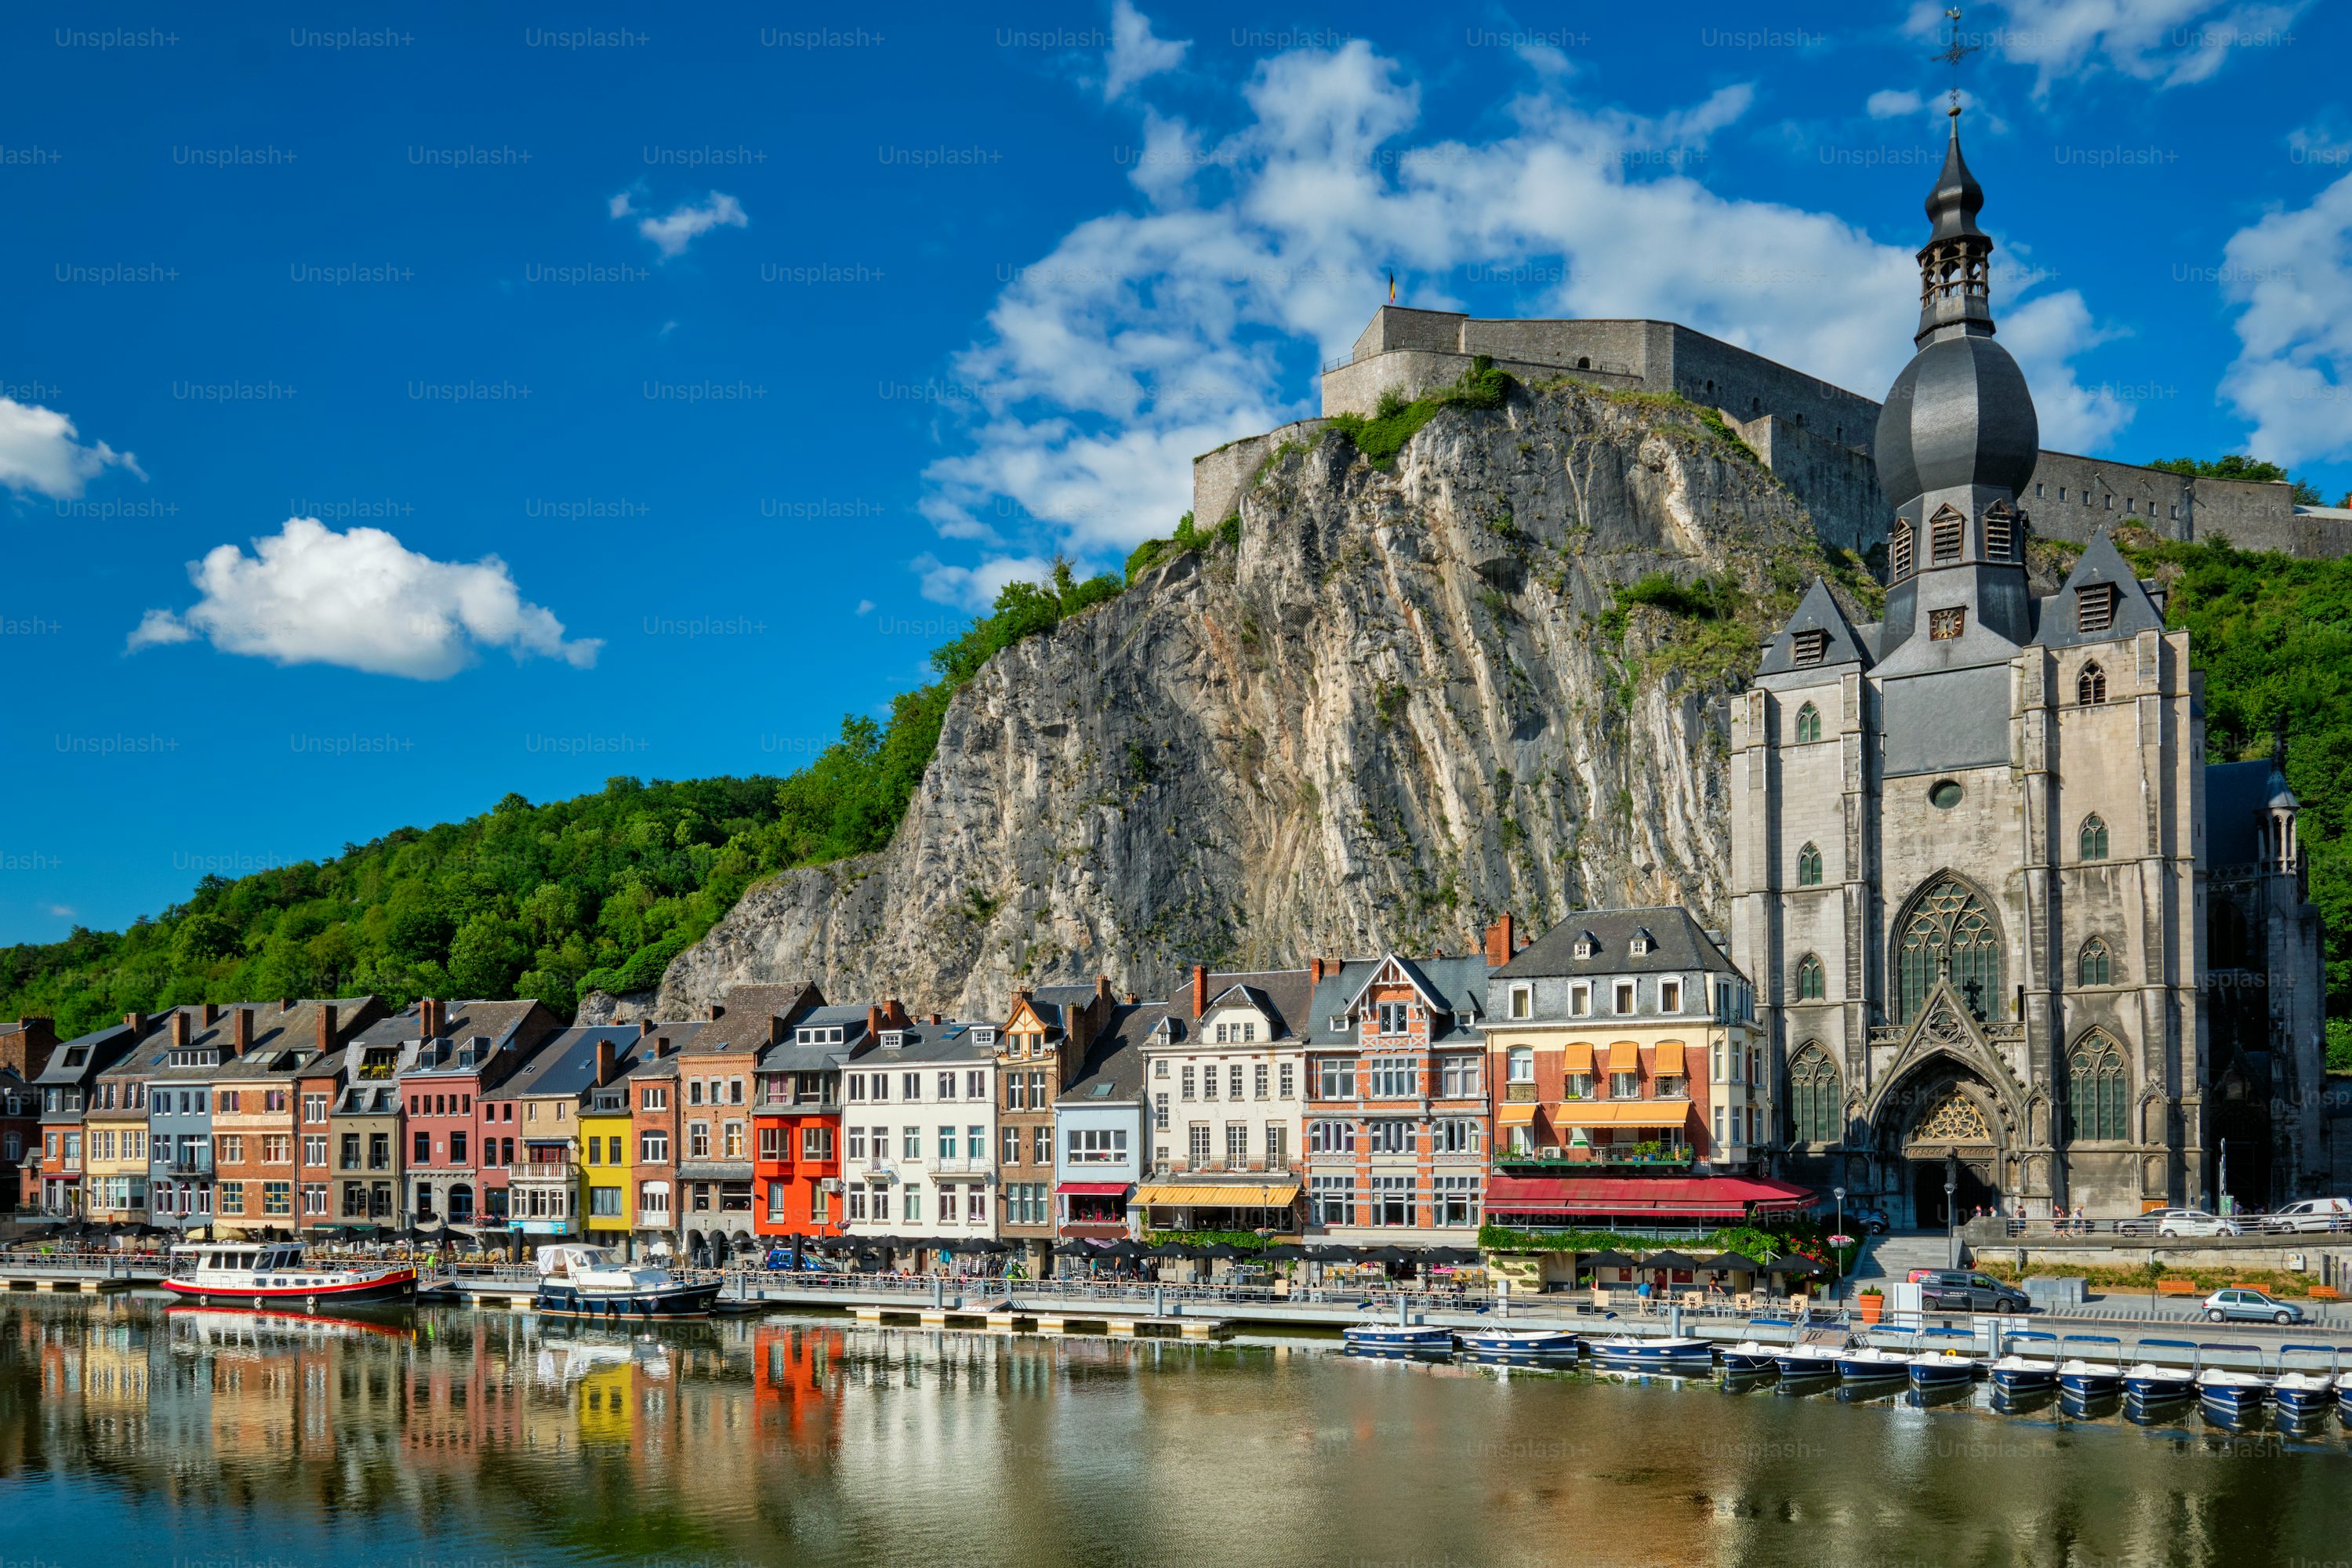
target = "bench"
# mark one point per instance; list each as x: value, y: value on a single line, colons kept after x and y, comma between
x: 2176, y: 1288
x: 2323, y: 1293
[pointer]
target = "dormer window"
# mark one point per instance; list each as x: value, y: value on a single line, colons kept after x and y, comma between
x: 1587, y: 945
x: 1810, y: 646
x: 1642, y: 943
x: 2095, y: 607
x: 984, y: 1035
x: 892, y: 1039
x: 1338, y: 1022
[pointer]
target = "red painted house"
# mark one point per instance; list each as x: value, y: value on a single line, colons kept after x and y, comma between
x: 796, y: 1179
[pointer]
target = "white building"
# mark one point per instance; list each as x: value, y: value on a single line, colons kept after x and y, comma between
x: 918, y: 1133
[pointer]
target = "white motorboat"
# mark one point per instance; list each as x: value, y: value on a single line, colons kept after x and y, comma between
x: 2084, y: 1377
x: 2020, y: 1373
x: 1653, y: 1353
x: 589, y: 1282
x: 1751, y: 1356
x: 1518, y: 1344
x: 1944, y: 1365
x: 2302, y: 1393
x: 2150, y: 1382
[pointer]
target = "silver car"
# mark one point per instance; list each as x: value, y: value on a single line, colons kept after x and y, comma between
x: 2178, y: 1221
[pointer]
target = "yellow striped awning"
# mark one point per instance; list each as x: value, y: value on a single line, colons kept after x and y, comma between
x: 1579, y: 1057
x: 1669, y: 1063
x: 1622, y: 1113
x: 1624, y: 1055
x: 1219, y: 1194
x: 1521, y: 1114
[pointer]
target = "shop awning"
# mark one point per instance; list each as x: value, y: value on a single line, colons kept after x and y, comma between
x: 1621, y: 1113
x: 1579, y: 1057
x: 1219, y: 1194
x: 1624, y: 1055
x: 1092, y: 1190
x: 1669, y: 1062
x: 1521, y: 1114
x: 1707, y: 1197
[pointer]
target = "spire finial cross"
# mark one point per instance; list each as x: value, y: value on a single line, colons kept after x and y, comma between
x: 1954, y: 52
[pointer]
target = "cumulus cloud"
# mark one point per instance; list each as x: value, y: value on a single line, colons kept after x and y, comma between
x: 40, y: 451
x: 361, y: 600
x: 1135, y: 53
x: 1894, y: 103
x: 1146, y: 337
x: 687, y: 221
x: 2168, y: 42
x: 975, y: 588
x: 2290, y: 276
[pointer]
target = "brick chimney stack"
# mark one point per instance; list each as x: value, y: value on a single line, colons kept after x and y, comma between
x: 604, y: 1060
x: 135, y: 1022
x: 240, y: 1030
x: 645, y: 1027
x: 715, y: 1012
x: 179, y: 1026
x: 662, y: 1046
x: 286, y: 1003
x: 1314, y: 971
x: 212, y: 1014
x: 1200, y: 989
x: 432, y: 1017
x: 1501, y: 941
x: 327, y: 1030
x: 873, y: 1021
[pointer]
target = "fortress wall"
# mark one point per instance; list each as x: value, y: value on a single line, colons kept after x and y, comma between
x: 1394, y: 326
x: 1747, y: 384
x: 1219, y: 478
x: 1359, y: 386
x: 2069, y: 495
x: 1620, y: 346
x: 1838, y: 485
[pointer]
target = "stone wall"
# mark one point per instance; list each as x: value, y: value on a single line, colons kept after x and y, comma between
x: 1219, y: 478
x: 1838, y: 483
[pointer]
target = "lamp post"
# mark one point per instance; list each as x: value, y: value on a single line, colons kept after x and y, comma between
x: 1836, y: 1252
x: 1951, y: 1213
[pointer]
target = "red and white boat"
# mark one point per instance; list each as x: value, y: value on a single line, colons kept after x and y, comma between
x: 272, y: 1274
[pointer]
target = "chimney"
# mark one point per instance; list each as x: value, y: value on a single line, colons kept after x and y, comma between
x: 604, y: 1060
x: 325, y: 1027
x: 1314, y: 971
x: 937, y: 1019
x: 1132, y: 999
x: 286, y: 1003
x: 896, y: 1012
x: 662, y: 1046
x: 715, y: 1012
x: 873, y: 1022
x: 179, y: 1026
x: 136, y: 1023
x: 775, y: 1029
x: 1200, y: 989
x: 1501, y: 941
x: 431, y: 1017
x: 1103, y: 992
x: 240, y: 1030
x: 212, y: 1014
x: 645, y: 1027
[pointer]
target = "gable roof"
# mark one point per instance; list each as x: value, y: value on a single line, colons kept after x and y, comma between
x: 1682, y: 944
x: 1450, y: 986
x: 2100, y: 562
x: 83, y: 1058
x: 1112, y: 1073
x: 1818, y: 611
x: 748, y: 1014
x: 566, y: 1065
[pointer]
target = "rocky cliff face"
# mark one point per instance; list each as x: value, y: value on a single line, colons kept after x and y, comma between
x: 1400, y: 706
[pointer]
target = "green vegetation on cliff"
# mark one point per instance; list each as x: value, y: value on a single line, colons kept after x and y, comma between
x: 598, y: 892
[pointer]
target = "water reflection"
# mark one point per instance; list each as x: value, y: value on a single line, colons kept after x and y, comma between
x: 130, y: 1434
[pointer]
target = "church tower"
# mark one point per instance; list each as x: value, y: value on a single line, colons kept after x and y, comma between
x: 1965, y: 839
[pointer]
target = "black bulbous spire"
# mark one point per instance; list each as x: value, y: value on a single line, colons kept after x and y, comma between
x: 1955, y: 289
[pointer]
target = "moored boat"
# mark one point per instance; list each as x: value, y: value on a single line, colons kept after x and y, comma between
x: 1944, y: 1365
x: 1799, y: 1362
x: 590, y: 1282
x: 2019, y: 1372
x: 273, y: 1275
x: 2303, y: 1392
x: 1752, y: 1357
x: 1524, y: 1343
x: 1876, y: 1363
x: 2086, y: 1377
x: 2150, y: 1382
x: 2230, y: 1397
x: 1653, y: 1353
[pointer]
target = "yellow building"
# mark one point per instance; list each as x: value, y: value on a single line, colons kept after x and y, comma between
x: 604, y: 1160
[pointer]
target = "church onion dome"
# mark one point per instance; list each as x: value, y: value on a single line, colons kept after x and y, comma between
x: 1953, y: 205
x: 1961, y: 413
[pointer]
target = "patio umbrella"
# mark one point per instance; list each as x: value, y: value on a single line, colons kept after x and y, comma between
x: 988, y: 1244
x: 1224, y: 1249
x: 1387, y: 1255
x: 1669, y: 1259
x: 1609, y: 1259
x: 1330, y: 1253
x: 1284, y: 1252
x: 1731, y: 1263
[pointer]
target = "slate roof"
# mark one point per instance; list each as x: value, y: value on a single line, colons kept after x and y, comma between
x: 2236, y: 794
x: 98, y: 1049
x: 1284, y: 995
x: 746, y: 1021
x: 924, y: 1044
x: 466, y: 1021
x: 1682, y: 944
x: 2101, y: 562
x: 566, y: 1065
x: 792, y: 1055
x: 1112, y: 1073
x: 1455, y: 986
x: 1817, y: 611
x: 286, y: 1041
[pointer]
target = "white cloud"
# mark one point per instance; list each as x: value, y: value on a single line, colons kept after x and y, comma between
x: 974, y: 589
x: 360, y: 600
x: 1894, y: 103
x: 2045, y: 334
x: 686, y: 223
x: 1134, y: 53
x: 38, y: 451
x: 1149, y: 336
x: 865, y: 607
x: 2168, y: 42
x: 2290, y: 275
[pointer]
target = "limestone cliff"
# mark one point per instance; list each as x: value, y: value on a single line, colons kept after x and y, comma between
x: 1407, y: 700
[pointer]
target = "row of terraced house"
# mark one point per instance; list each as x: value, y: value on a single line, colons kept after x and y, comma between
x: 1610, y: 1072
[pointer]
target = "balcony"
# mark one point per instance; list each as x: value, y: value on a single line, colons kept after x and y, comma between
x: 1552, y: 1156
x: 191, y: 1165
x: 962, y: 1165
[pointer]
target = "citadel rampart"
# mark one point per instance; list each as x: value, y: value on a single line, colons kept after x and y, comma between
x: 1815, y: 436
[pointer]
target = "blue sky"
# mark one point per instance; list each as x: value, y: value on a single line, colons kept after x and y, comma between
x: 470, y: 401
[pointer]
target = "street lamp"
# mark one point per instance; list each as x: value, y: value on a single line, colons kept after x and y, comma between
x: 1837, y: 1252
x: 1951, y: 1213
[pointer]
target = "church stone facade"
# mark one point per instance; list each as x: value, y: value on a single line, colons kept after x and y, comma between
x: 1974, y: 849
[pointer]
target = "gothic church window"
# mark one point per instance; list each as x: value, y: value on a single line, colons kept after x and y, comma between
x: 2095, y: 967
x: 1809, y: 867
x: 2091, y: 687
x: 1808, y: 724
x: 1948, y: 930
x: 1899, y: 550
x: 2095, y: 607
x: 2095, y: 837
x: 1810, y: 987
x: 1816, y: 1097
x: 1944, y: 531
x: 2100, y: 1090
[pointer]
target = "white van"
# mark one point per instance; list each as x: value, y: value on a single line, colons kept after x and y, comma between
x: 2312, y: 1213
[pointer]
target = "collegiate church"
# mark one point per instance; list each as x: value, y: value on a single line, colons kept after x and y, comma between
x: 2008, y: 930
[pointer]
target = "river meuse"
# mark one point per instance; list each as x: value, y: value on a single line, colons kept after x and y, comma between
x: 131, y: 1433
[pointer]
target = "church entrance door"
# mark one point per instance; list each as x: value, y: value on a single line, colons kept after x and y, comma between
x: 1938, y: 1128
x: 1970, y: 1192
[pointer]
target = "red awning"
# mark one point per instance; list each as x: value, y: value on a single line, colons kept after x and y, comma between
x: 1728, y: 1197
x: 1092, y: 1189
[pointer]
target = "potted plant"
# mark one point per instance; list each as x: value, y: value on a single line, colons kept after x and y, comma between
x: 1873, y: 1302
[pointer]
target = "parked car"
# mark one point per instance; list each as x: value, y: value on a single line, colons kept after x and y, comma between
x: 2249, y: 1307
x: 2178, y: 1221
x: 1965, y: 1290
x: 2312, y: 1213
